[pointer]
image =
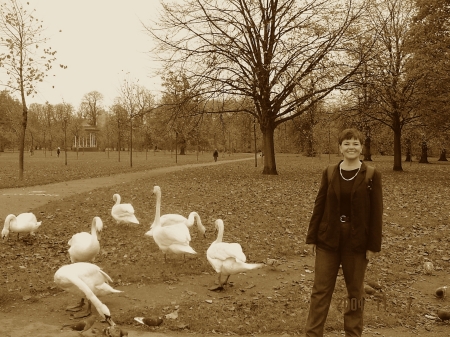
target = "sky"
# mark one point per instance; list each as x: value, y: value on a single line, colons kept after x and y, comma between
x: 101, y: 42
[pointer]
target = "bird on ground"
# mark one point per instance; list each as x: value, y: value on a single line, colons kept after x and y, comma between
x: 86, y: 280
x: 23, y: 223
x: 227, y: 258
x: 171, y: 219
x: 444, y: 315
x: 84, y: 247
x: 174, y: 238
x: 114, y: 331
x: 441, y: 292
x: 81, y: 326
x: 123, y: 213
x: 150, y: 321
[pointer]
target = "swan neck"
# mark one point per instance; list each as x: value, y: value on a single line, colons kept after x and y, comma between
x: 220, y: 233
x: 117, y: 198
x: 8, y: 220
x: 94, y: 228
x: 193, y: 217
x: 158, y: 209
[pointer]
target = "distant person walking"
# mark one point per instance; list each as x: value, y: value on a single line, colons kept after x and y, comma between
x: 58, y: 151
x: 215, y: 155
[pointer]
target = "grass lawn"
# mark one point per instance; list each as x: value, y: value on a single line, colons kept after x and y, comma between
x: 45, y: 168
x: 267, y: 215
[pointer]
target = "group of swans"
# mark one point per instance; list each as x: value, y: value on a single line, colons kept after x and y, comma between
x: 171, y: 235
x: 226, y: 258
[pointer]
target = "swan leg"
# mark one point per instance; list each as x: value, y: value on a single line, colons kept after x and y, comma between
x: 87, y: 313
x: 220, y: 286
x: 226, y: 281
x: 76, y: 307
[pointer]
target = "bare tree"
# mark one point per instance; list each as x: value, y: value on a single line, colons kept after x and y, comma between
x: 25, y: 60
x: 91, y: 107
x: 394, y: 89
x: 264, y: 50
x: 136, y: 101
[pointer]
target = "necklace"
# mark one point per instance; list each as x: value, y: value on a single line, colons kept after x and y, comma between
x: 340, y: 171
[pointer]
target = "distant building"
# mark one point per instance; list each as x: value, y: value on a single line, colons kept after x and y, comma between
x: 87, y: 141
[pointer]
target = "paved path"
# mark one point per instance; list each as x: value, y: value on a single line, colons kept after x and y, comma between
x: 25, y: 199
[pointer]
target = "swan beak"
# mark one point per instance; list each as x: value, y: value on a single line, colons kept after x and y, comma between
x: 109, y: 320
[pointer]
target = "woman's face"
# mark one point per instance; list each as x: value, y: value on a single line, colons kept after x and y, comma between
x: 351, y: 148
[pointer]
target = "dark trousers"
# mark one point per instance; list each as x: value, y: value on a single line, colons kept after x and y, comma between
x: 326, y: 270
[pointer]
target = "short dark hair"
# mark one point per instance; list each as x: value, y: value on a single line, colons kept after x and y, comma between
x: 349, y: 134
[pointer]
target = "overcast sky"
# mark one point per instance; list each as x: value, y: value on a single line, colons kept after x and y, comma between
x: 100, y: 41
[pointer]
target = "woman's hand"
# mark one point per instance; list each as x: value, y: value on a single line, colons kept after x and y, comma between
x: 370, y: 255
x: 312, y: 248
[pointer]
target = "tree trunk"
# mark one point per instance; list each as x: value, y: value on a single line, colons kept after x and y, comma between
x: 424, y: 154
x: 131, y: 142
x: 408, y: 151
x: 397, y: 145
x: 443, y: 156
x: 270, y: 166
x: 310, y: 147
x: 367, y: 154
x: 22, y: 137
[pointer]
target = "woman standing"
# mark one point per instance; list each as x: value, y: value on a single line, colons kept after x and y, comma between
x: 345, y: 228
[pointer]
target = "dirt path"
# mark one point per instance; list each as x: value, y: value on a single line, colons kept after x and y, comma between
x: 12, y: 200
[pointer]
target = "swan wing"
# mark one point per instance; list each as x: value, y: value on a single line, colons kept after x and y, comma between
x: 124, y: 213
x: 224, y: 250
x: 231, y: 266
x: 172, y: 219
x: 211, y: 256
x: 25, y: 222
x: 178, y: 233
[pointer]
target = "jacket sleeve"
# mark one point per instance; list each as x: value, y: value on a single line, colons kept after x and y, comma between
x: 376, y: 214
x: 319, y: 207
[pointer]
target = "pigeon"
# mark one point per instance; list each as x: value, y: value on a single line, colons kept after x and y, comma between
x: 114, y: 331
x: 374, y: 285
x: 428, y: 268
x: 274, y: 263
x: 149, y: 321
x: 443, y: 315
x: 369, y: 290
x: 81, y: 326
x: 441, y: 292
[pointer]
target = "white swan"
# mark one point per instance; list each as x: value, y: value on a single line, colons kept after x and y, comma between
x: 23, y: 223
x: 227, y: 258
x: 171, y: 219
x: 174, y: 238
x: 123, y: 213
x: 84, y: 247
x: 86, y: 280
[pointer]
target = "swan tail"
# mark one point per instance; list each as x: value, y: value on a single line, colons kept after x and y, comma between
x: 105, y: 289
x: 182, y: 249
x: 105, y: 275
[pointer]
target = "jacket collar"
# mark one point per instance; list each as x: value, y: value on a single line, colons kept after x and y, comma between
x: 335, y: 183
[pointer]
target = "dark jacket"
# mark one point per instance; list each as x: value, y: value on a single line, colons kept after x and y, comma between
x: 366, y: 213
